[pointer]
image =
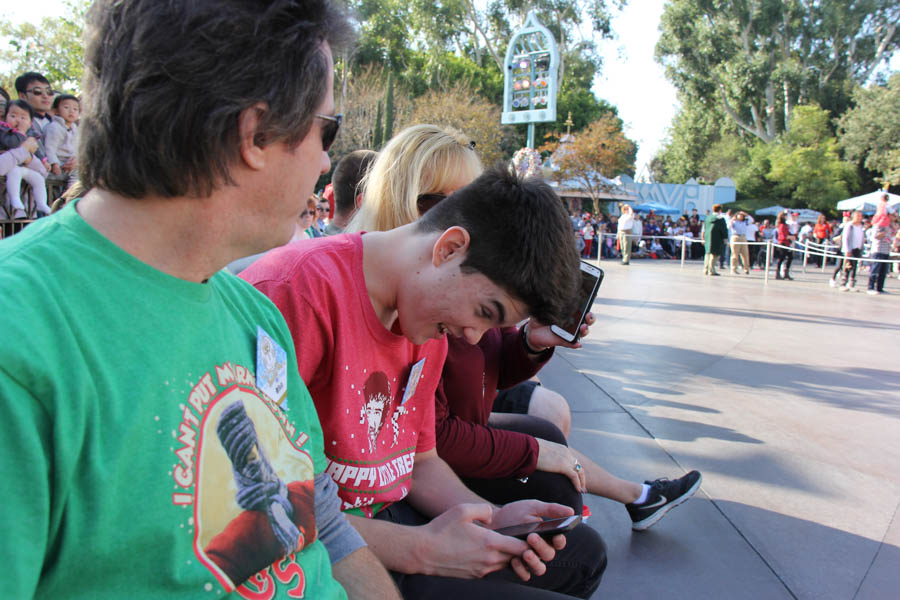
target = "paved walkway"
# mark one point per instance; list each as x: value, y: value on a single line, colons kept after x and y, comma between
x: 785, y: 396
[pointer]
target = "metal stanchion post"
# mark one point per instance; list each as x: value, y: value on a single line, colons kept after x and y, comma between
x: 683, y: 246
x: 805, y: 255
x: 768, y: 260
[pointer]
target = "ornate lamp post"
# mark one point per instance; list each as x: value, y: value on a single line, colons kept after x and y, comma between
x: 531, y: 77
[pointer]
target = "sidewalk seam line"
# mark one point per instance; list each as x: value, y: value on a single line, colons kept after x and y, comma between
x: 877, y: 552
x: 712, y: 501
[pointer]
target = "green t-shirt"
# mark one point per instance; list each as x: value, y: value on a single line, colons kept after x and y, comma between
x: 140, y: 458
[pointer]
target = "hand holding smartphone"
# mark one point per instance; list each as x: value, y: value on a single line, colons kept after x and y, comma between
x: 591, y: 278
x: 546, y: 529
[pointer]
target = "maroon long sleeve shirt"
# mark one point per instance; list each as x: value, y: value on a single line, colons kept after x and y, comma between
x: 471, y: 377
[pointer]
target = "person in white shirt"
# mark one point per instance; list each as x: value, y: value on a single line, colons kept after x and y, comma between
x: 740, y: 254
x: 793, y: 223
x: 625, y: 233
x: 752, y: 230
x: 853, y: 238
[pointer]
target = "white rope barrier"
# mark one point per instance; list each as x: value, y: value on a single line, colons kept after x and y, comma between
x: 808, y: 248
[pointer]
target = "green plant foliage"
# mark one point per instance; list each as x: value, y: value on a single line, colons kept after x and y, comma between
x: 389, y: 108
x: 53, y: 48
x: 870, y: 132
x: 378, y: 136
x: 806, y: 166
x: 758, y: 59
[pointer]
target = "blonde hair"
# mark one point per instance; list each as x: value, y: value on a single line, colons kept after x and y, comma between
x: 422, y: 159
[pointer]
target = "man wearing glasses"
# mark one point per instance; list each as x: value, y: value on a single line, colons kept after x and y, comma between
x: 322, y: 211
x: 163, y: 445
x: 34, y: 89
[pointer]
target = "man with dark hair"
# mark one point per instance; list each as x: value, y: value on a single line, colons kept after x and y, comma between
x: 489, y: 255
x: 164, y: 419
x: 347, y: 193
x: 34, y: 89
x: 323, y: 207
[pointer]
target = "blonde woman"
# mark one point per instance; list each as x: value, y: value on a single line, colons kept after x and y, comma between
x: 420, y: 165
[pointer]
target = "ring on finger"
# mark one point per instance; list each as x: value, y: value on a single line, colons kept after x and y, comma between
x: 578, y: 466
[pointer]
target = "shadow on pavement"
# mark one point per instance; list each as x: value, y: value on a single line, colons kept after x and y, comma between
x: 724, y: 549
x: 632, y: 369
x: 706, y: 309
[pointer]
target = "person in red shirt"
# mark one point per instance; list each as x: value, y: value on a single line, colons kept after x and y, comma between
x: 370, y: 313
x: 785, y: 255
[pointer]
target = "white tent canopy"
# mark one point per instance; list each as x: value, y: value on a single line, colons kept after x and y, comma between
x: 771, y: 210
x: 867, y: 202
x: 807, y: 214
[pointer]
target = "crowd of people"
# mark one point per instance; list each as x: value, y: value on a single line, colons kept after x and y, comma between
x: 314, y: 426
x: 38, y: 138
x: 728, y: 237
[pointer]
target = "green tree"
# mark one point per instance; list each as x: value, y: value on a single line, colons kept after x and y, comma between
x: 597, y: 152
x: 53, y: 48
x: 870, y: 132
x: 756, y: 60
x: 389, y: 108
x: 378, y: 136
x: 695, y: 129
x: 460, y: 108
x: 806, y: 166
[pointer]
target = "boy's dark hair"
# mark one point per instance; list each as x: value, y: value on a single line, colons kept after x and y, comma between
x: 4, y: 95
x: 25, y: 79
x: 165, y: 83
x: 21, y: 104
x: 520, y: 238
x: 63, y: 98
x: 346, y: 177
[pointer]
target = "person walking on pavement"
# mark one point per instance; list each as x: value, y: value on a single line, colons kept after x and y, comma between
x: 626, y: 223
x: 715, y: 232
x: 853, y: 237
x: 740, y: 253
x: 784, y: 238
x: 880, y: 249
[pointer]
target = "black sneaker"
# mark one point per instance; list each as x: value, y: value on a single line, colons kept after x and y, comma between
x: 664, y: 495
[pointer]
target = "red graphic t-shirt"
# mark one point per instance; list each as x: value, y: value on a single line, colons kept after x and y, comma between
x: 373, y: 389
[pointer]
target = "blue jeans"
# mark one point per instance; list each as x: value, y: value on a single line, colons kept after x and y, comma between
x: 878, y: 272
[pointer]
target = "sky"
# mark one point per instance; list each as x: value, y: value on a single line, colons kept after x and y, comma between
x: 634, y: 83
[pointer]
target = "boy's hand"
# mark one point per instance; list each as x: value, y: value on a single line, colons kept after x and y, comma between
x: 54, y: 168
x: 31, y: 145
x: 70, y: 165
x: 541, y: 336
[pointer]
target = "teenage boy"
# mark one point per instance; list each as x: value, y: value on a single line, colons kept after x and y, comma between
x: 160, y: 442
x: 34, y: 89
x: 347, y: 190
x: 369, y: 314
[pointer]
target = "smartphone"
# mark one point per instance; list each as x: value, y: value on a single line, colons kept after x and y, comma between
x: 591, y: 277
x: 546, y: 529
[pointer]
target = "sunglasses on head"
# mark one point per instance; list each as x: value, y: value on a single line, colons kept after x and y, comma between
x: 330, y: 129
